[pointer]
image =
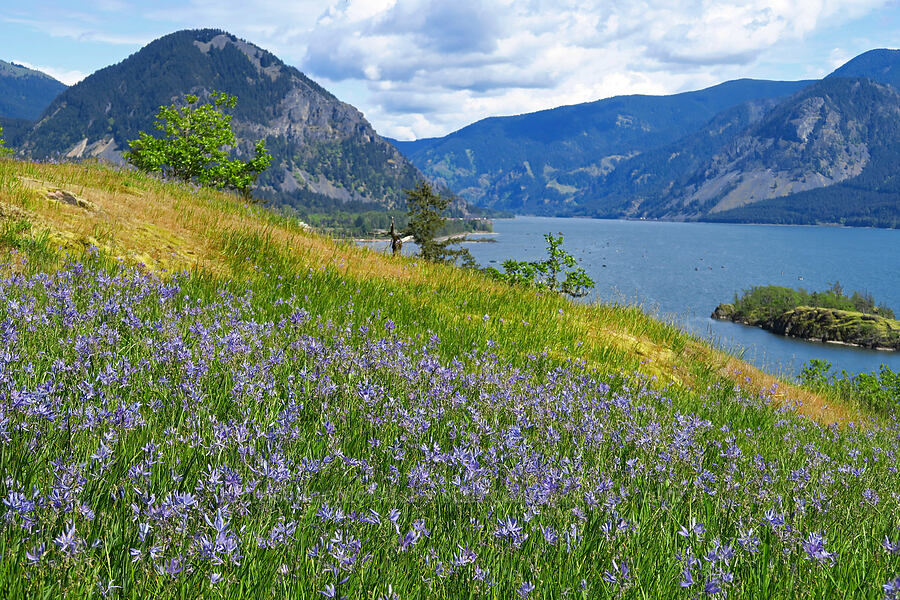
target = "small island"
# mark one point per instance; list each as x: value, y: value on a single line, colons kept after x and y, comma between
x: 828, y: 316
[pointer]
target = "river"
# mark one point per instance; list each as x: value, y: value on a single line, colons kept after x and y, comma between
x: 681, y: 271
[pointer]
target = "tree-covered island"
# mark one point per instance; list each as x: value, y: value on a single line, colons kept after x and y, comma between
x: 829, y: 316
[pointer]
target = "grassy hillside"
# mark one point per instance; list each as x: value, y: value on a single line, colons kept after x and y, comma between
x: 204, y: 399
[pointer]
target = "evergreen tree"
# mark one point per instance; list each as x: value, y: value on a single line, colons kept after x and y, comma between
x: 426, y: 218
x: 195, y: 145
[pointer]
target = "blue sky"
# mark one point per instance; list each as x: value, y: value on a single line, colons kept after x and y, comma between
x: 420, y: 68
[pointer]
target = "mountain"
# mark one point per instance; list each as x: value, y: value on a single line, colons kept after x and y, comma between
x: 25, y: 93
x: 639, y: 185
x: 325, y: 153
x: 744, y: 151
x: 881, y: 66
x: 544, y: 162
x: 837, y: 130
x: 839, y: 166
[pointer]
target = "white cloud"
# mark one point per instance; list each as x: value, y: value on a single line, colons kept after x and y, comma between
x: 426, y: 67
x: 68, y: 77
x: 837, y: 57
x: 449, y: 63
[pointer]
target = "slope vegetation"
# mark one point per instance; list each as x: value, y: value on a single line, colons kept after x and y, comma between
x: 206, y: 400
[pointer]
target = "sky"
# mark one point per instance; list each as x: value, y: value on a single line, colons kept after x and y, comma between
x: 425, y: 68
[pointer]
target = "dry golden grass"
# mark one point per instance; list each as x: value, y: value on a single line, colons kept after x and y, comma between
x: 174, y: 227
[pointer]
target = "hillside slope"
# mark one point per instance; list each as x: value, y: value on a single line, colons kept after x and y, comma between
x: 833, y: 131
x: 829, y: 156
x: 295, y: 418
x: 325, y: 153
x: 132, y: 217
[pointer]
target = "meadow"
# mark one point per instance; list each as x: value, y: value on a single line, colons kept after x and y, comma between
x: 199, y: 398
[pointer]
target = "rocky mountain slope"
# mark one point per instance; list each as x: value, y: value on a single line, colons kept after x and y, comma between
x: 325, y: 153
x: 830, y: 156
x: 824, y: 135
x: 25, y: 93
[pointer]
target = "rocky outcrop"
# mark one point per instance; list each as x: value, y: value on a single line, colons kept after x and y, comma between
x: 825, y: 325
x: 724, y: 312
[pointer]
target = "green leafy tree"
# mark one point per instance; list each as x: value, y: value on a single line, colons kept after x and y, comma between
x: 195, y: 146
x: 551, y: 273
x: 426, y: 219
x: 4, y: 151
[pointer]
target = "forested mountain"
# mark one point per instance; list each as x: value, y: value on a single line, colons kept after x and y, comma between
x: 325, y: 153
x: 544, y: 162
x: 639, y: 186
x: 25, y: 93
x: 744, y: 151
x: 881, y: 66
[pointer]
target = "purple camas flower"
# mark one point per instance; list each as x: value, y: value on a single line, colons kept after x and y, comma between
x: 870, y: 496
x: 749, y: 541
x: 618, y: 575
x: 35, y: 555
x: 774, y: 519
x: 687, y: 580
x: 69, y: 543
x: 507, y: 528
x: 814, y: 546
x: 549, y: 534
x: 172, y: 567
x: 892, y: 589
x: 525, y: 589
x: 712, y: 587
x: 694, y: 528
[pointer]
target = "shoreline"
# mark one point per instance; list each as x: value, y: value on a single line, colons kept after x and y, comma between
x: 817, y: 339
x: 443, y: 238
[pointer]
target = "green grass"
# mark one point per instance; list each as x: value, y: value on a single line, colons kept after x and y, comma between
x: 254, y: 340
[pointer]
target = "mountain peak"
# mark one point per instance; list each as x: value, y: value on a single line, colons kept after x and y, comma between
x: 24, y: 92
x: 11, y: 69
x: 324, y: 151
x: 881, y: 65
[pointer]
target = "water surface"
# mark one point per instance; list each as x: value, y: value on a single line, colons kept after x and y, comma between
x: 681, y: 271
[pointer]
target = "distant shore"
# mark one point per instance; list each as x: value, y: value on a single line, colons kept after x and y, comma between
x: 465, y: 236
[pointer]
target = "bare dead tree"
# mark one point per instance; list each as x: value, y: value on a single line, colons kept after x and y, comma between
x: 396, y: 240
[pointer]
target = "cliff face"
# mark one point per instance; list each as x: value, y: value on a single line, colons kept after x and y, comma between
x: 324, y: 151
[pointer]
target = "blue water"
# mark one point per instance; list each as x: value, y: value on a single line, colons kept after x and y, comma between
x: 681, y: 271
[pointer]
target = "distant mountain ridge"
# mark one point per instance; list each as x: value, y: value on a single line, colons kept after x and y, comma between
x: 748, y: 151
x: 325, y: 153
x: 541, y: 161
x: 24, y: 92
